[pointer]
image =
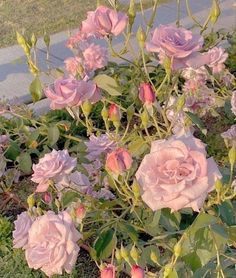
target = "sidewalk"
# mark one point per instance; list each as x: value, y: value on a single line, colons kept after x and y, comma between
x: 14, y: 76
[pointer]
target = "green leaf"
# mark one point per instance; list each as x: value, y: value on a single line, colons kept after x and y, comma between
x: 25, y: 163
x: 53, y: 135
x: 137, y: 146
x: 13, y: 151
x: 129, y: 230
x: 193, y: 261
x: 36, y: 89
x: 173, y: 274
x: 69, y: 197
x: 153, y: 227
x: 105, y: 243
x: 203, y: 220
x: 108, y: 84
x: 227, y: 213
x: 170, y: 221
x: 197, y: 121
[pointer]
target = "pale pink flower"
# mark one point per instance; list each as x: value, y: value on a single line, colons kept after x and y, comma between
x: 52, y: 244
x: 108, y: 271
x: 118, y: 161
x: 217, y: 57
x: 195, y: 78
x: 53, y: 166
x: 20, y: 233
x: 71, y: 92
x: 72, y: 65
x: 95, y: 57
x: 178, y: 44
x: 99, y: 145
x: 77, y: 38
x: 146, y: 93
x: 233, y: 102
x: 104, y: 21
x: 137, y: 272
x: 176, y: 174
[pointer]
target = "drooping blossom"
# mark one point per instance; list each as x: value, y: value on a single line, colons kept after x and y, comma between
x: 52, y: 243
x: 104, y: 21
x: 99, y: 145
x: 178, y: 44
x: 137, y: 272
x: 108, y: 271
x: 118, y: 161
x: 230, y: 135
x: 20, y: 233
x: 53, y: 166
x: 146, y: 93
x: 95, y: 57
x: 177, y: 174
x: 233, y: 102
x: 71, y: 92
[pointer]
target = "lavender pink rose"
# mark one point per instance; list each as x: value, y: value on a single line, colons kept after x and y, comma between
x: 176, y: 174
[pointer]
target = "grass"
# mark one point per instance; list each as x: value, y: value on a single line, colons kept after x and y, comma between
x: 38, y: 16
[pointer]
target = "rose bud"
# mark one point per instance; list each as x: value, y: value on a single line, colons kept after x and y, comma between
x: 146, y: 93
x: 137, y: 272
x: 108, y: 272
x: 118, y: 161
x: 80, y: 211
x: 47, y: 197
x: 114, y: 113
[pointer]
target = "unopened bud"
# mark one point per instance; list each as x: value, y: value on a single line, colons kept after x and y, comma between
x: 86, y: 108
x: 180, y: 103
x: 39, y: 211
x: 137, y: 272
x: 31, y: 201
x: 34, y: 144
x: 134, y: 254
x: 215, y: 11
x: 153, y: 257
x: 104, y: 113
x: 177, y: 249
x: 167, y: 65
x: 47, y: 197
x: 136, y: 189
x: 141, y: 37
x: 167, y: 271
x: 218, y: 185
x: 130, y: 112
x: 232, y: 156
x: 118, y: 255
x: 131, y: 12
x: 80, y: 212
x: 124, y: 253
x: 46, y: 39
x: 33, y: 40
x: 145, y: 118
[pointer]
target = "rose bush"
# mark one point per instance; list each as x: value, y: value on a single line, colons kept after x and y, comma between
x: 132, y: 165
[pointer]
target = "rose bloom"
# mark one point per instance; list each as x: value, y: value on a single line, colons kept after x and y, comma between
x: 72, y: 65
x: 104, y: 21
x: 52, y: 166
x: 217, y: 57
x: 95, y: 57
x: 108, y: 272
x: 233, y: 102
x: 20, y: 233
x: 230, y: 135
x: 146, y: 93
x: 98, y: 145
x: 52, y: 243
x: 137, y: 272
x: 178, y: 44
x: 118, y: 161
x: 176, y: 174
x: 71, y: 92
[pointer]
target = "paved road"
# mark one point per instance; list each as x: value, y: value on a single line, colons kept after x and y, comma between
x: 14, y: 76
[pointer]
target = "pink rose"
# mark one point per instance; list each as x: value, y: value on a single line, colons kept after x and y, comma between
x: 22, y: 226
x: 137, y: 272
x: 72, y: 65
x: 217, y: 57
x: 146, y: 93
x: 52, y: 244
x: 118, y: 161
x: 71, y: 92
x: 52, y: 166
x: 108, y: 272
x: 95, y: 57
x: 104, y: 21
x: 98, y: 145
x: 176, y: 174
x: 178, y: 44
